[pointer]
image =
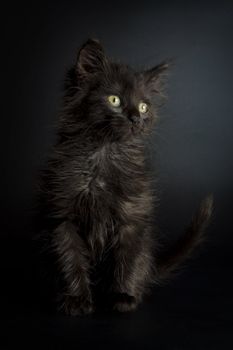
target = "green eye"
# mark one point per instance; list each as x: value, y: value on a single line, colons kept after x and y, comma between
x: 114, y: 100
x: 142, y: 107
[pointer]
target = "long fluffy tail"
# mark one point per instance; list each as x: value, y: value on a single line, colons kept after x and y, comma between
x: 193, y: 237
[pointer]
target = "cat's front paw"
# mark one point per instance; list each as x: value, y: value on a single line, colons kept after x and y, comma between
x: 77, y: 305
x: 124, y: 302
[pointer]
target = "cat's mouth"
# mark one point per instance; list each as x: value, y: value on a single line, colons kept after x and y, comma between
x: 136, y: 127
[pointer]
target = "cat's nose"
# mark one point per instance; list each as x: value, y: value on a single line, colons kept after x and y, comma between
x: 134, y: 118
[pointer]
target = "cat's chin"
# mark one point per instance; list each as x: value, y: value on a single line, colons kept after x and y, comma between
x: 122, y: 136
x: 131, y: 134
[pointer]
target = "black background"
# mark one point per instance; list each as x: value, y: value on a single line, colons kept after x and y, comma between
x: 191, y: 152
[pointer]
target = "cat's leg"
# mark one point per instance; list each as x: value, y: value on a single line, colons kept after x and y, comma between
x: 132, y: 268
x: 73, y: 266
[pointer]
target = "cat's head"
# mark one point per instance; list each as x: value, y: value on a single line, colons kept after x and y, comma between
x: 111, y: 100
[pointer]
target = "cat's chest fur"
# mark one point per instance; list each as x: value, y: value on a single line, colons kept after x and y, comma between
x: 112, y: 168
x: 113, y: 191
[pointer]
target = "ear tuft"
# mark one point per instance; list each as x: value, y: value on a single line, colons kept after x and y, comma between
x: 155, y: 76
x: 91, y: 58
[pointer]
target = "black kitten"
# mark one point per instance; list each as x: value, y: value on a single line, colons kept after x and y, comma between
x: 96, y: 194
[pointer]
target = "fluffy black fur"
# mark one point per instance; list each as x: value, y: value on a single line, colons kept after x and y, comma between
x: 96, y: 198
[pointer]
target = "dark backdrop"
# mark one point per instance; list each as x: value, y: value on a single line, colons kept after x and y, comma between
x: 191, y: 153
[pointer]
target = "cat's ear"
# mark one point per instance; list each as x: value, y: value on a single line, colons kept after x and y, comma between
x: 154, y: 77
x: 91, y: 58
